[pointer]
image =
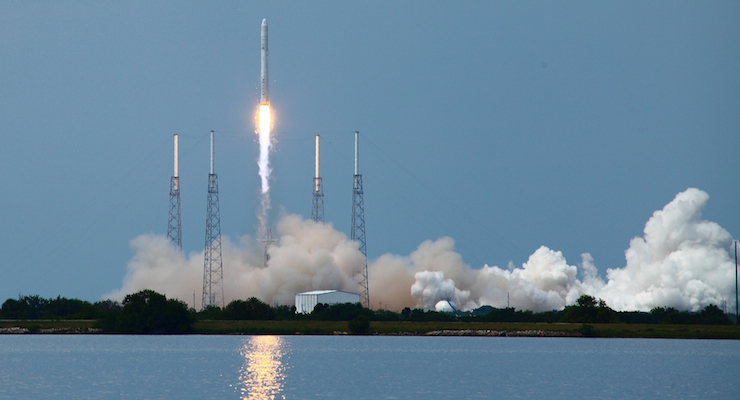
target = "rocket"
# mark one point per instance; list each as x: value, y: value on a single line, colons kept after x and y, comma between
x: 264, y: 81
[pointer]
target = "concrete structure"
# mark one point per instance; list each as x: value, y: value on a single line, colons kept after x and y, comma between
x: 305, y: 302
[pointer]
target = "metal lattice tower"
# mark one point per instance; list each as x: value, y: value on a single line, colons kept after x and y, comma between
x: 213, y: 272
x: 174, y: 225
x: 358, y: 225
x: 317, y: 205
x: 268, y: 240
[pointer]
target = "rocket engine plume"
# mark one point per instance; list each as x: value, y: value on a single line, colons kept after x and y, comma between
x: 264, y: 126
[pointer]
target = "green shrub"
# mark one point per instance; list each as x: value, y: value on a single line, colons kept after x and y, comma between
x: 359, y: 324
x: 588, y: 331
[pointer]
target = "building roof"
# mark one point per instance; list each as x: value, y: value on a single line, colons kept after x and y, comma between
x: 324, y: 292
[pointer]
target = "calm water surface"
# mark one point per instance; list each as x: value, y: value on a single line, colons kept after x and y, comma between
x: 350, y: 367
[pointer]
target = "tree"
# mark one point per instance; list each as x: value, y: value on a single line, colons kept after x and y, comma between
x: 589, y: 309
x: 587, y: 301
x: 252, y: 309
x: 26, y: 307
x: 667, y: 315
x: 211, y: 312
x: 35, y: 307
x: 712, y: 315
x: 150, y: 312
x: 285, y: 312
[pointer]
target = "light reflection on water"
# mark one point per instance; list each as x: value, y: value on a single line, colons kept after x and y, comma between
x: 263, y: 374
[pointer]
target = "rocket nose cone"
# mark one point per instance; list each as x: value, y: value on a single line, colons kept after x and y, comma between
x: 264, y: 22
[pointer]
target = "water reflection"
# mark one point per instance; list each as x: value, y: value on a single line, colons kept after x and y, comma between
x: 263, y: 373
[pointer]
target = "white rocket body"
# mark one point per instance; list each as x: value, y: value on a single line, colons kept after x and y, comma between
x: 264, y: 76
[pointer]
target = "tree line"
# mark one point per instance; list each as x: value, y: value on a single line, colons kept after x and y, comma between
x: 150, y: 312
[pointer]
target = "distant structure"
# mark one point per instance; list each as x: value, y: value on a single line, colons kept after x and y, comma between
x: 305, y: 302
x: 317, y: 205
x: 268, y: 240
x: 213, y: 272
x: 358, y: 224
x: 445, y: 306
x: 174, y: 225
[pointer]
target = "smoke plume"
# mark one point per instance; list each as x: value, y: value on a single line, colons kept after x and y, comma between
x: 681, y: 261
x: 265, y: 125
x: 307, y: 256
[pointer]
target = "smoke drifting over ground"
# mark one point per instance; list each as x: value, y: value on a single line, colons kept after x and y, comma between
x: 681, y: 261
x: 307, y: 256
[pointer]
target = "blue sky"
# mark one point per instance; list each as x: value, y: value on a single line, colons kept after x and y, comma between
x: 505, y: 125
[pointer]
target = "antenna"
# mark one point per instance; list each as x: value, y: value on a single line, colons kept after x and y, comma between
x: 317, y: 203
x: 317, y: 159
x: 358, y: 225
x: 174, y: 224
x: 357, y: 154
x: 176, y: 154
x: 212, y: 153
x: 213, y: 272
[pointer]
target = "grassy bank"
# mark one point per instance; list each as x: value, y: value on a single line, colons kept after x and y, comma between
x: 225, y: 327
x: 423, y: 328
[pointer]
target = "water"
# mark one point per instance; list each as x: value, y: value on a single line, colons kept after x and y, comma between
x: 350, y: 367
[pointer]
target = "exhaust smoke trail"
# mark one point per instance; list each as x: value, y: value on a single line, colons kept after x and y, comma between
x: 264, y: 166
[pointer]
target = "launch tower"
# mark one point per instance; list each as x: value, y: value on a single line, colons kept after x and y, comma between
x: 317, y: 205
x: 174, y: 225
x: 213, y: 273
x: 358, y: 225
x: 268, y: 241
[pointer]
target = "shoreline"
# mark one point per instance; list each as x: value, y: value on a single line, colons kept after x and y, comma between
x: 398, y: 328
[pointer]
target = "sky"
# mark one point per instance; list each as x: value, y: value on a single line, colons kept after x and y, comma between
x: 505, y: 126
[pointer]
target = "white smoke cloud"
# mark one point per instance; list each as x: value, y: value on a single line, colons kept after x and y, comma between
x: 431, y: 288
x: 681, y: 261
x: 545, y: 282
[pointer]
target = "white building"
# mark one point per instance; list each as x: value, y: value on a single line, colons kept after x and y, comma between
x: 305, y: 302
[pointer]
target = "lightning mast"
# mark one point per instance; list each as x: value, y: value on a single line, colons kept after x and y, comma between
x: 317, y: 205
x: 174, y: 225
x: 213, y: 273
x: 358, y: 225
